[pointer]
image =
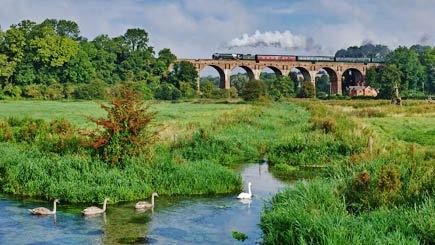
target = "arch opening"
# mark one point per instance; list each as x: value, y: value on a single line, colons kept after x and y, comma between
x: 326, y: 82
x: 210, y: 77
x: 299, y: 76
x: 270, y: 74
x: 239, y: 76
x: 351, y: 77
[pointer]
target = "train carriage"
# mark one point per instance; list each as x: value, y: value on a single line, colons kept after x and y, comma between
x: 353, y: 59
x: 316, y: 58
x: 275, y: 58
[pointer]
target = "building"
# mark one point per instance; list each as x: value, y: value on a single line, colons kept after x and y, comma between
x: 361, y: 90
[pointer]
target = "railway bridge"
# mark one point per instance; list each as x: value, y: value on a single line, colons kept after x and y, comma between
x: 341, y: 74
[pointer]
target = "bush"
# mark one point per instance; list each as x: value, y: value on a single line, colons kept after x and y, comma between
x: 307, y: 90
x: 253, y: 89
x: 126, y: 130
x: 167, y: 91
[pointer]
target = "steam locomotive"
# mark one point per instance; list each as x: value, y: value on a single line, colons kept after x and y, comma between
x: 260, y: 57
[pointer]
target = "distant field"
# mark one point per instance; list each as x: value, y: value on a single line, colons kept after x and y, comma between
x: 75, y: 112
x: 413, y: 122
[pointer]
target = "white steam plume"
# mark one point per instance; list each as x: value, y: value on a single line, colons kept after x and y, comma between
x: 278, y: 39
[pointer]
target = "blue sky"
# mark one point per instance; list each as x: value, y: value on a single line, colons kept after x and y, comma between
x: 198, y: 28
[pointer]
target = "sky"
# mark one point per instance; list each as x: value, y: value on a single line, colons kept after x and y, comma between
x: 199, y: 28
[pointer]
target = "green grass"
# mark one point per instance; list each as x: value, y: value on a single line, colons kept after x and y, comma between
x: 380, y: 197
x: 196, y: 141
x: 75, y: 112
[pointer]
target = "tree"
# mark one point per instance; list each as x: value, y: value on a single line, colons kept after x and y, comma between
x: 387, y: 78
x: 238, y: 81
x: 126, y: 129
x: 306, y: 90
x: 253, y: 90
x: 407, y: 61
x: 281, y: 87
x: 64, y: 28
x: 184, y: 71
x: 207, y: 88
x: 136, y: 39
x: 366, y: 50
x: 54, y: 51
x: 322, y: 85
x: 428, y: 61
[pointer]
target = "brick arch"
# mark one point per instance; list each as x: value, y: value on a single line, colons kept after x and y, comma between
x: 220, y: 72
x: 351, y: 76
x: 305, y: 73
x: 333, y: 79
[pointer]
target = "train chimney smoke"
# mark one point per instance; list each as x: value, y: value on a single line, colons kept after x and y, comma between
x: 278, y: 39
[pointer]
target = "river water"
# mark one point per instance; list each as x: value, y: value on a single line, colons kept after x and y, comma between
x: 180, y: 220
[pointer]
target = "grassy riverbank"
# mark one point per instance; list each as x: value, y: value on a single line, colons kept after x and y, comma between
x: 197, y: 142
x: 380, y: 196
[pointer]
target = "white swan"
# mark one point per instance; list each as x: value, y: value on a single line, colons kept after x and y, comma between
x: 95, y: 210
x: 43, y: 211
x: 245, y: 195
x: 145, y: 204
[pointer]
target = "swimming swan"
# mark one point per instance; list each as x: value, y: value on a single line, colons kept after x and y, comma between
x: 42, y: 210
x: 145, y: 204
x: 95, y: 210
x: 245, y: 195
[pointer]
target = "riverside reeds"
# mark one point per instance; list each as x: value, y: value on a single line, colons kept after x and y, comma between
x: 379, y: 196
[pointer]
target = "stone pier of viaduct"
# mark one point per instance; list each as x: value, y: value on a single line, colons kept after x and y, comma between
x: 338, y: 71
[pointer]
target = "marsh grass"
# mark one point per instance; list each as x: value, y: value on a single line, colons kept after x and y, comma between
x: 313, y: 214
x: 378, y: 196
x: 75, y: 179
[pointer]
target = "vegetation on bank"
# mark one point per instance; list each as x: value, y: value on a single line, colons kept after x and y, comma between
x: 378, y: 194
x: 40, y: 157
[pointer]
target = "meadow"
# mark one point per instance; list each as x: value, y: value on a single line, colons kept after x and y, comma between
x: 382, y: 194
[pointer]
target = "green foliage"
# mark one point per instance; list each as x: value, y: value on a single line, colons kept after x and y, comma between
x: 282, y: 87
x: 207, y: 89
x: 76, y: 179
x: 385, y: 79
x: 183, y: 71
x: 167, y: 91
x: 407, y: 61
x: 307, y: 90
x: 58, y: 136
x: 311, y: 213
x: 253, y: 90
x: 93, y: 90
x: 323, y: 86
x: 239, y: 236
x: 365, y: 196
x: 54, y: 52
x: 238, y: 81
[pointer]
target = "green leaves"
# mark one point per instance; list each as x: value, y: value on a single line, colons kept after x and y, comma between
x: 54, y: 51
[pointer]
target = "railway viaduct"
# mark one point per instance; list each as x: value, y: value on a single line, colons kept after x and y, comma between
x: 340, y: 73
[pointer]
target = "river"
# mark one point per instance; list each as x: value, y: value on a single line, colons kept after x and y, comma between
x: 180, y: 220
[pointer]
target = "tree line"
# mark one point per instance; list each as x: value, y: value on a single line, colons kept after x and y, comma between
x: 411, y: 69
x: 51, y: 60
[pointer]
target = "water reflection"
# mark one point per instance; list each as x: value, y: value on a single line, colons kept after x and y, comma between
x: 174, y: 220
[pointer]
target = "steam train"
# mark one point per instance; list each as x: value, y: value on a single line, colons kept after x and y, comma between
x: 260, y: 57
